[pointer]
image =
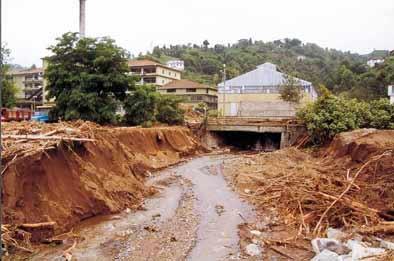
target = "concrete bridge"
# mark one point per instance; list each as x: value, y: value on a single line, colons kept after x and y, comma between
x: 270, y: 133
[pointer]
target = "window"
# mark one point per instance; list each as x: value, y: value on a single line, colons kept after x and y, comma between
x: 191, y: 90
x: 171, y: 90
x: 163, y: 71
x: 149, y: 80
x: 169, y: 73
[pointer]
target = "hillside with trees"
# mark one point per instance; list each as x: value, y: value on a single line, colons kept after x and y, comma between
x: 341, y: 72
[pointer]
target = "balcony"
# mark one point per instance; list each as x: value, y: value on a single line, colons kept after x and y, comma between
x: 33, y: 80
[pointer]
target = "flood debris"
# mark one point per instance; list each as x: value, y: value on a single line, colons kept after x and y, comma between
x: 348, y: 184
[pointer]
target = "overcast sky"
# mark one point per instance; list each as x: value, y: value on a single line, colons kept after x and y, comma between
x: 29, y: 27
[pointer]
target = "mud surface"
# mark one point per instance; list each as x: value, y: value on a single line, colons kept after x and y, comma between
x: 195, y: 216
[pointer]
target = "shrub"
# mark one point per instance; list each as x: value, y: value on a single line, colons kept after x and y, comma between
x: 168, y: 110
x: 381, y: 114
x: 330, y: 115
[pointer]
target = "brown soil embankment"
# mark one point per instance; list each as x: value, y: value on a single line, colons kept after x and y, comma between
x: 68, y: 181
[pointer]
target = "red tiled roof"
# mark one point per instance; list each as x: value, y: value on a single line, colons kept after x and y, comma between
x: 28, y: 71
x: 185, y: 84
x: 146, y: 62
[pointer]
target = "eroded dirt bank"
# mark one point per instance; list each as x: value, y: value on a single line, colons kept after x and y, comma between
x: 69, y: 181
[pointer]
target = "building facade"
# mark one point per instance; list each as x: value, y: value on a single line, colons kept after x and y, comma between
x: 374, y: 62
x: 192, y: 92
x: 257, y: 94
x: 176, y: 64
x: 30, y: 85
x: 151, y: 72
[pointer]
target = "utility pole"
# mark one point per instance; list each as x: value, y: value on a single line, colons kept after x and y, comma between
x: 224, y: 89
x: 82, y: 18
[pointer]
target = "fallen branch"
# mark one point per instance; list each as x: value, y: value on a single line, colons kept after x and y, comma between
x: 66, y: 253
x: 357, y: 206
x: 280, y: 252
x: 386, y: 153
x: 42, y: 137
x: 8, y: 164
x: 387, y: 228
x: 38, y: 225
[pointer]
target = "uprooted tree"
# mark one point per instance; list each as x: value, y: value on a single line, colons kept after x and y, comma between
x: 88, y: 77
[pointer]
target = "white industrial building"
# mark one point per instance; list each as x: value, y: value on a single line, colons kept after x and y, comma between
x: 391, y: 93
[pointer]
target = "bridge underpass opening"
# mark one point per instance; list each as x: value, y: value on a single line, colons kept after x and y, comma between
x: 267, y: 141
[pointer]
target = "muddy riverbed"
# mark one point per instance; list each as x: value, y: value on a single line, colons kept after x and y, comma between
x: 195, y: 216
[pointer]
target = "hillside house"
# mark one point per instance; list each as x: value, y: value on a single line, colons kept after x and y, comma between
x: 151, y: 72
x: 373, y: 62
x: 391, y: 93
x: 257, y: 94
x: 176, y: 64
x: 192, y: 92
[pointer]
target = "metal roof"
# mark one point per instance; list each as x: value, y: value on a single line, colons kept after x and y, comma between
x: 264, y: 75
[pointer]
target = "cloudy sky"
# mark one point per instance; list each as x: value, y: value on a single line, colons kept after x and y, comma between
x: 29, y: 27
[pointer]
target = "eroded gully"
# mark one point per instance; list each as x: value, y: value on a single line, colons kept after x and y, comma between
x: 194, y: 217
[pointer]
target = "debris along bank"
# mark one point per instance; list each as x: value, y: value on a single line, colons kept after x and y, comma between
x: 348, y: 185
x: 67, y: 172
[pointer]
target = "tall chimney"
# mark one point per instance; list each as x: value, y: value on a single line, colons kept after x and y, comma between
x: 82, y: 18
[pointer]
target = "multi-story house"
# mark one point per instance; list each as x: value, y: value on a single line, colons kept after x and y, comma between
x: 30, y: 84
x: 192, y: 92
x: 151, y: 72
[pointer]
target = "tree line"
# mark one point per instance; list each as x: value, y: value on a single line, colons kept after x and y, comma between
x: 343, y: 73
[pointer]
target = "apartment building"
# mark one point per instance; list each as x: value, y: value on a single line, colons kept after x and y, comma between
x: 192, y: 92
x: 151, y: 72
x: 30, y: 84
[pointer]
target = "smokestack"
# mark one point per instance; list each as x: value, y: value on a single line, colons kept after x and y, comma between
x: 82, y: 18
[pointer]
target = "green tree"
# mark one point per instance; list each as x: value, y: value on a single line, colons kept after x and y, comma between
x: 291, y: 91
x: 168, y: 110
x: 8, y: 88
x: 140, y: 106
x: 88, y: 77
x: 206, y: 44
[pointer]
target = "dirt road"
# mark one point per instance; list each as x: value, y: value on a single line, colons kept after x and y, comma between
x: 193, y: 217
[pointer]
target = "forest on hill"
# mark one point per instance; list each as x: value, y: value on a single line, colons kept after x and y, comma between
x: 341, y: 72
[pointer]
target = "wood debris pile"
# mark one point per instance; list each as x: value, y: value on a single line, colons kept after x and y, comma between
x: 21, y: 139
x: 314, y: 193
x: 14, y: 239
